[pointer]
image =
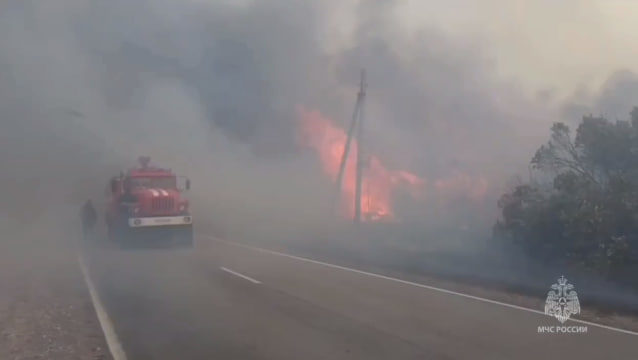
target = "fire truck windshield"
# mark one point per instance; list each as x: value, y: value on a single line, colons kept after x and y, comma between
x: 153, y: 182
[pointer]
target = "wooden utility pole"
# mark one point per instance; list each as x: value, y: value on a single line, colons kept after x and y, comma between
x: 356, y: 123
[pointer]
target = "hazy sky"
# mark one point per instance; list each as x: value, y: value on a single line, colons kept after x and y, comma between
x: 543, y: 43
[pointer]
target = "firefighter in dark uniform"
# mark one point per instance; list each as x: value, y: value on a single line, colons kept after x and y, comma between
x: 89, y: 219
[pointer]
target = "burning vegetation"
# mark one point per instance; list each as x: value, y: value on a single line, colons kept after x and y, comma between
x: 379, y: 183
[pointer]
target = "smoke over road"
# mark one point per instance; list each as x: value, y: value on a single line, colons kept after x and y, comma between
x: 90, y: 84
x: 213, y: 90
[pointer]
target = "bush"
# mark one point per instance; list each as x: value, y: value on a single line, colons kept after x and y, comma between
x: 586, y: 209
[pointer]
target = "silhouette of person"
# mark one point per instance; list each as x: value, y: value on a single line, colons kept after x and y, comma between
x: 89, y: 218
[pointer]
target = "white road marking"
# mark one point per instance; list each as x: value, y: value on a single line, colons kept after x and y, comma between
x: 406, y: 282
x: 241, y: 275
x: 113, y: 343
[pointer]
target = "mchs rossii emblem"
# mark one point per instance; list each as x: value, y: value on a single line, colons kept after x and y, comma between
x: 562, y: 301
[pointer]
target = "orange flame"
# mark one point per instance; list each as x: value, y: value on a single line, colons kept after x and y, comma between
x: 320, y: 133
x: 328, y: 140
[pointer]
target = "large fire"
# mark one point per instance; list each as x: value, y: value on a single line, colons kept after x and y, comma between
x: 329, y: 141
x: 379, y: 183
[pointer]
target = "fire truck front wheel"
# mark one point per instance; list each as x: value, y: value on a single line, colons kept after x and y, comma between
x: 185, y: 237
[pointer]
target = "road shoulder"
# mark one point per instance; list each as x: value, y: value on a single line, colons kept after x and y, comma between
x: 45, y: 307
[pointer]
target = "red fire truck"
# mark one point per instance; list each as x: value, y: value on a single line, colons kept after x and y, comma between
x: 146, y: 206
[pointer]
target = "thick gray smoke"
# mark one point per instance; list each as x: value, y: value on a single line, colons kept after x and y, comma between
x: 614, y: 100
x: 212, y: 90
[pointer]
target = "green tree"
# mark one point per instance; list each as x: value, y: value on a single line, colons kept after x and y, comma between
x: 587, y: 211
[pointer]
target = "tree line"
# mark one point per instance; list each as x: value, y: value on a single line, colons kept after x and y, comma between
x: 580, y: 205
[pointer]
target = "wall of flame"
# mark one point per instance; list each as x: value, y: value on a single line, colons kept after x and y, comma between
x: 379, y: 183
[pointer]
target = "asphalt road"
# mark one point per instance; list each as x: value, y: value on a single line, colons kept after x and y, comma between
x: 225, y: 301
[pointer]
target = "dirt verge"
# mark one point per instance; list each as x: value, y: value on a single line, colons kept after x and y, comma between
x: 45, y: 308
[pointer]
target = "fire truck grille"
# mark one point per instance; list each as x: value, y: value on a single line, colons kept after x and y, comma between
x: 163, y: 205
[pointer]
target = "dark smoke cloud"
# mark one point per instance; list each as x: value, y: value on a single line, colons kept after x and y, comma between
x: 211, y: 89
x: 251, y: 66
x: 614, y: 100
x: 87, y: 86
